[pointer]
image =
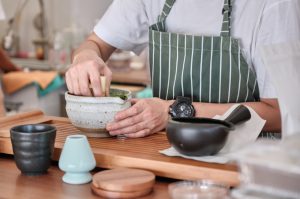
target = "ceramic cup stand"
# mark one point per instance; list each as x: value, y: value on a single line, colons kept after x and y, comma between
x: 76, y: 160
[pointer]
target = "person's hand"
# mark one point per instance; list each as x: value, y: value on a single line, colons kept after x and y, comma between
x: 84, y: 74
x: 144, y: 117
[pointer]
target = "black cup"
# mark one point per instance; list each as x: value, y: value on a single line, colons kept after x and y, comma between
x: 33, y: 146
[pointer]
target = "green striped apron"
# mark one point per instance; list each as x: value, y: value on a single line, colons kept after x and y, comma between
x: 205, y: 68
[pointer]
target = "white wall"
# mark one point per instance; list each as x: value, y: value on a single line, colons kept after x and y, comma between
x: 60, y: 14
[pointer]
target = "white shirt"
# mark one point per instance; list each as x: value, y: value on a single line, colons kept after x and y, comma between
x: 255, y: 22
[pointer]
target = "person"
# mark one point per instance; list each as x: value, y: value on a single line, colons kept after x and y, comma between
x: 205, y: 51
x: 5, y: 66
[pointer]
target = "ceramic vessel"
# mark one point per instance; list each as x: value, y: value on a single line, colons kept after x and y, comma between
x: 33, y: 145
x: 203, y: 136
x: 91, y: 114
x: 76, y: 160
x: 195, y: 137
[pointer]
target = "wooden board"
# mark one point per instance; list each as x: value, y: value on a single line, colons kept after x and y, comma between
x: 32, y: 117
x: 140, y: 153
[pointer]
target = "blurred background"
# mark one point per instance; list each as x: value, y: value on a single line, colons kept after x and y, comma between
x: 60, y: 15
x: 39, y: 37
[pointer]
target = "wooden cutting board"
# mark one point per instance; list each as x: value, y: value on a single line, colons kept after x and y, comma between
x: 139, y: 153
x: 32, y: 117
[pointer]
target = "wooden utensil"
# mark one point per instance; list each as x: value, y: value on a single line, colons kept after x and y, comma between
x: 124, y: 180
x: 117, y: 195
x: 103, y: 86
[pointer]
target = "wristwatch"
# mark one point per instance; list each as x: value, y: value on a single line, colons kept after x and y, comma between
x: 182, y: 107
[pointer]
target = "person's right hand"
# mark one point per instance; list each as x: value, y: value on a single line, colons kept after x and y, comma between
x: 84, y: 74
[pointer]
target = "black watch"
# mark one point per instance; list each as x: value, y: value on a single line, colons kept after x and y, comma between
x: 182, y: 107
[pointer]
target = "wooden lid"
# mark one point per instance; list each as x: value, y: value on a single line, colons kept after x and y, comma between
x: 124, y: 180
x: 119, y: 195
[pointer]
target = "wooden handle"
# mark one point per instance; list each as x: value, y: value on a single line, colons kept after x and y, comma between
x: 103, y: 84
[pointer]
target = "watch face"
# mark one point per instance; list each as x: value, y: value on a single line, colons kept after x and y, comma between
x: 184, y: 110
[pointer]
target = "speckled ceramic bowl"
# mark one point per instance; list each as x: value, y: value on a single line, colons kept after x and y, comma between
x: 91, y: 114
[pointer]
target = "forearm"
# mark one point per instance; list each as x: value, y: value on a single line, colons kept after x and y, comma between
x: 92, y: 46
x: 268, y: 109
x: 87, y: 46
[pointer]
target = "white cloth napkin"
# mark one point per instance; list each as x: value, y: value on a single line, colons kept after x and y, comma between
x: 283, y: 64
x: 243, y: 135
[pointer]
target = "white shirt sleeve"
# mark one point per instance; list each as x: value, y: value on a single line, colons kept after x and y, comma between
x: 124, y: 25
x: 280, y: 23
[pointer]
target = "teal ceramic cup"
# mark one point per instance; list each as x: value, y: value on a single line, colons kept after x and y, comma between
x: 76, y: 160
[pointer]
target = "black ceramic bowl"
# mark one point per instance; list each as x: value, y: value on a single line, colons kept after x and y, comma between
x: 197, y: 137
x: 33, y: 145
x: 203, y: 136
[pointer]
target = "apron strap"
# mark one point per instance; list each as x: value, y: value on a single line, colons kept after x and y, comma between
x: 227, y: 8
x: 226, y: 27
x: 166, y: 10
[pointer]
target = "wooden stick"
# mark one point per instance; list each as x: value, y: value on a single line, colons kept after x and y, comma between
x: 103, y: 86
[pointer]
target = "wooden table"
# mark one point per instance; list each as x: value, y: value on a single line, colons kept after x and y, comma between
x: 15, y: 185
x: 141, y: 153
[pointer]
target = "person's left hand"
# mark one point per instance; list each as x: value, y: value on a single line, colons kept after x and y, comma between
x: 144, y: 117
